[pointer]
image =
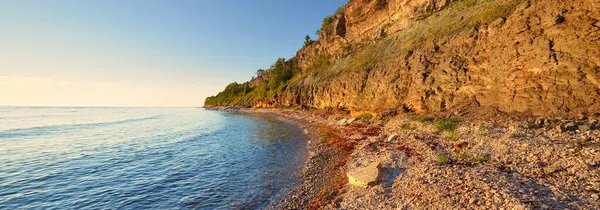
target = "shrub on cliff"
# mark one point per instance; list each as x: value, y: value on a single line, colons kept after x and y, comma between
x: 307, y: 40
x: 276, y: 76
x: 232, y: 92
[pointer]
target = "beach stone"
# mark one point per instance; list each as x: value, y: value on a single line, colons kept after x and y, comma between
x: 351, y: 120
x: 595, y: 161
x: 571, y: 126
x: 365, y: 176
x: 560, y: 128
x: 552, y: 169
x: 584, y: 128
x: 392, y: 138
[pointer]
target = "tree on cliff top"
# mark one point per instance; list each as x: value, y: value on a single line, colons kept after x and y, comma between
x: 307, y: 40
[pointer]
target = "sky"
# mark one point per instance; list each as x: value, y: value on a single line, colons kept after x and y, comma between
x: 168, y: 53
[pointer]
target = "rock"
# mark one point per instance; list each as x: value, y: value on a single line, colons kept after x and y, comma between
x: 305, y: 131
x: 581, y: 116
x: 571, y: 126
x: 583, y: 128
x: 365, y: 176
x: 595, y: 196
x: 540, y: 121
x: 552, y: 169
x: 342, y: 122
x: 560, y: 128
x: 351, y: 120
x: 594, y: 161
x: 460, y: 146
x: 566, y: 127
x: 392, y: 138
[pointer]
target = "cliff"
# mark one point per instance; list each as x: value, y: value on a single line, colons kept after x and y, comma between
x: 537, y: 58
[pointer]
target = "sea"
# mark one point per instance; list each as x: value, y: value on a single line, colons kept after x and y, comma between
x: 145, y: 158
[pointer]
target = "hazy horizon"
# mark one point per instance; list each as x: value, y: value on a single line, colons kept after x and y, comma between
x: 143, y: 53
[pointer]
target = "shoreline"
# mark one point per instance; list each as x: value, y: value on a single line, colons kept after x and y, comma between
x: 516, y: 164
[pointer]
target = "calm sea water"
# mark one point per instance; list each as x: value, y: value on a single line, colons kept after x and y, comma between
x: 144, y: 158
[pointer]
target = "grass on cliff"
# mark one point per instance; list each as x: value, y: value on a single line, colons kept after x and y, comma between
x: 461, y: 17
x: 447, y: 125
x: 365, y: 116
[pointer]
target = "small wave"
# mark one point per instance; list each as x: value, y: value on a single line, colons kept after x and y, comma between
x: 19, y: 132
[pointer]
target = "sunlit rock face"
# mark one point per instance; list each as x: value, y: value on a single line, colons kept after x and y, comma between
x: 513, y: 56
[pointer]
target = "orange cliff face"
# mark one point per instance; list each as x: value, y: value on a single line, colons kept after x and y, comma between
x: 514, y: 56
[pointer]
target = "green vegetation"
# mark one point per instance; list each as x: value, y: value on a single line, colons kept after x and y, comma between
x: 453, y: 136
x: 229, y: 95
x: 365, y: 116
x: 307, y: 40
x: 329, y: 19
x: 443, y: 160
x: 462, y: 156
x: 408, y: 127
x: 326, y: 22
x: 273, y: 81
x: 423, y: 119
x: 482, y: 131
x: 480, y: 158
x: 447, y: 124
x: 340, y: 10
x: 458, y: 18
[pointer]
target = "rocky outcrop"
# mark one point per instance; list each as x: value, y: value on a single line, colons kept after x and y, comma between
x: 539, y: 58
x: 527, y: 57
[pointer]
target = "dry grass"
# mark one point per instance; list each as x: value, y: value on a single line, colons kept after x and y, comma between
x: 458, y: 18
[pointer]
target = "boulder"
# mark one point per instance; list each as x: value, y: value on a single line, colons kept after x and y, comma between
x: 364, y: 176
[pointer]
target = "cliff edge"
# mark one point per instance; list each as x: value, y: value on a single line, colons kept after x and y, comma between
x: 524, y: 57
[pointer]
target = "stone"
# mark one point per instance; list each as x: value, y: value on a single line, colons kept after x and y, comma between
x: 392, y: 138
x: 351, y: 120
x: 365, y: 176
x: 342, y: 122
x: 460, y: 146
x: 560, y: 128
x: 595, y: 196
x: 571, y: 126
x: 566, y: 127
x: 583, y: 128
x: 594, y: 161
x: 552, y: 169
x: 540, y: 121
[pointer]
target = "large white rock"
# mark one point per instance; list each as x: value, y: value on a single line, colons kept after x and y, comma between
x: 364, y: 176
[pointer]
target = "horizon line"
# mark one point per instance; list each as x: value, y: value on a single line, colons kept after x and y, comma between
x: 75, y: 106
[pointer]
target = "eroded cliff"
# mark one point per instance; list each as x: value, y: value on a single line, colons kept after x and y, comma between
x: 429, y: 56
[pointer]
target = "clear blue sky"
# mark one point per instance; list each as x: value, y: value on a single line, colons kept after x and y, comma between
x: 196, y: 47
